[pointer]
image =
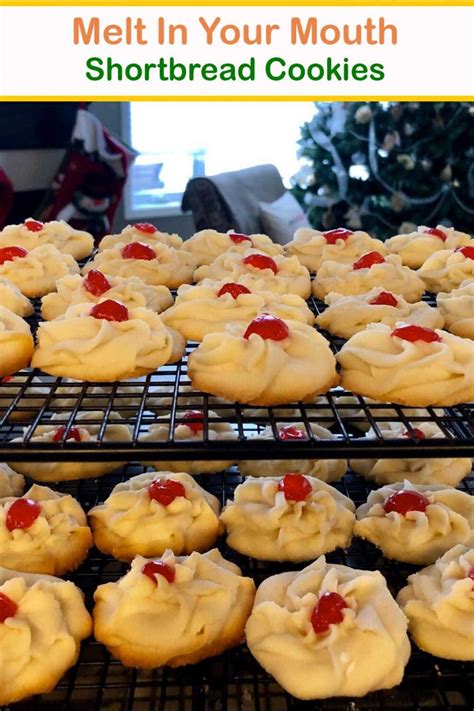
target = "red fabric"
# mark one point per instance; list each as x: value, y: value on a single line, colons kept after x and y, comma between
x: 6, y: 197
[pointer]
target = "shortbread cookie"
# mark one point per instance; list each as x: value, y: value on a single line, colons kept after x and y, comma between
x: 141, y: 232
x: 328, y: 630
x: 409, y: 364
x: 207, y: 245
x: 448, y: 471
x: 86, y: 428
x: 416, y: 523
x: 173, y: 611
x: 324, y: 469
x: 370, y: 270
x: 439, y: 604
x: 317, y: 407
x: 24, y: 406
x: 155, y: 511
x: 33, y: 233
x: 349, y: 407
x: 281, y: 275
x: 209, y: 306
x: 43, y: 532
x: 35, y: 272
x: 42, y: 623
x: 105, y: 342
x: 125, y: 399
x: 11, y: 483
x: 292, y: 518
x: 346, y: 315
x: 269, y: 362
x: 414, y: 248
x: 188, y: 397
x: 95, y: 287
x: 190, y: 428
x: 12, y: 299
x: 457, y: 309
x: 447, y: 269
x: 313, y: 247
x: 154, y: 264
x: 16, y: 342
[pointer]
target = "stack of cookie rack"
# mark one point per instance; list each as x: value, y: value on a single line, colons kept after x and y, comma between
x: 233, y: 680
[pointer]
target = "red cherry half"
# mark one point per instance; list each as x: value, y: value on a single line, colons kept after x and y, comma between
x: 22, y: 514
x: 261, y: 261
x: 196, y: 427
x: 331, y: 236
x: 467, y: 252
x: 165, y: 492
x: 8, y: 608
x: 414, y: 333
x: 146, y: 227
x: 110, y: 310
x: 33, y: 225
x: 295, y: 487
x: 7, y: 378
x: 96, y: 283
x: 72, y: 434
x: 416, y: 433
x: 238, y: 238
x: 233, y: 289
x: 8, y: 254
x: 268, y: 327
x: 435, y: 233
x: 368, y: 260
x: 385, y: 298
x: 138, y: 250
x: 289, y: 432
x: 157, y: 567
x: 328, y: 611
x: 471, y: 574
x: 404, y: 501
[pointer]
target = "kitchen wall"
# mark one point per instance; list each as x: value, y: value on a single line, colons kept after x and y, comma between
x: 110, y: 113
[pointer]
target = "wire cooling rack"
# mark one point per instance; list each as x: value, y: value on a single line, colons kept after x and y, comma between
x: 234, y: 681
x: 167, y: 394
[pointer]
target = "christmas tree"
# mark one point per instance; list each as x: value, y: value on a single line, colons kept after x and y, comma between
x: 387, y: 167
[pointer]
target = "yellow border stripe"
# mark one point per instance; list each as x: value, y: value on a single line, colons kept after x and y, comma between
x: 237, y: 98
x: 237, y: 3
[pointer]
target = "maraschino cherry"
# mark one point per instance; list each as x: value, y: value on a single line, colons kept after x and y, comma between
x: 467, y: 252
x: 471, y: 574
x: 295, y: 487
x: 404, y: 501
x: 435, y: 233
x: 195, y: 427
x: 385, y: 298
x: 22, y: 514
x: 412, y: 333
x: 416, y: 433
x: 238, y: 238
x: 368, y: 260
x: 261, y: 261
x: 166, y: 491
x: 8, y: 254
x: 72, y: 434
x: 33, y: 225
x: 8, y: 608
x: 268, y: 327
x: 138, y: 250
x: 146, y: 227
x: 110, y: 310
x: 331, y: 236
x: 289, y: 432
x: 96, y: 283
x: 328, y: 611
x: 233, y: 289
x: 157, y: 567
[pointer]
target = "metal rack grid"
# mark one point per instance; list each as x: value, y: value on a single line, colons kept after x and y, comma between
x: 167, y: 395
x: 234, y: 681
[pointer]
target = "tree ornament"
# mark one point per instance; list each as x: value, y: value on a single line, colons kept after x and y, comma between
x: 446, y: 174
x: 398, y: 202
x: 363, y: 114
x: 406, y: 161
x: 391, y: 140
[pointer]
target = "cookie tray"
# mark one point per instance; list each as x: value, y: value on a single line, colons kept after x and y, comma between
x: 343, y: 418
x: 234, y: 681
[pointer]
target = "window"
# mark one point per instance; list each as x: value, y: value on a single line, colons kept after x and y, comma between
x: 180, y: 140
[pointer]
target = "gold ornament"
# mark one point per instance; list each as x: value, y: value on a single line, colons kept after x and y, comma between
x: 406, y: 228
x: 363, y: 114
x: 398, y: 201
x: 406, y: 161
x: 352, y: 219
x: 446, y: 174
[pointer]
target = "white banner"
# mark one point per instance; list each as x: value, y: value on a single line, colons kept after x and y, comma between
x: 100, y: 52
